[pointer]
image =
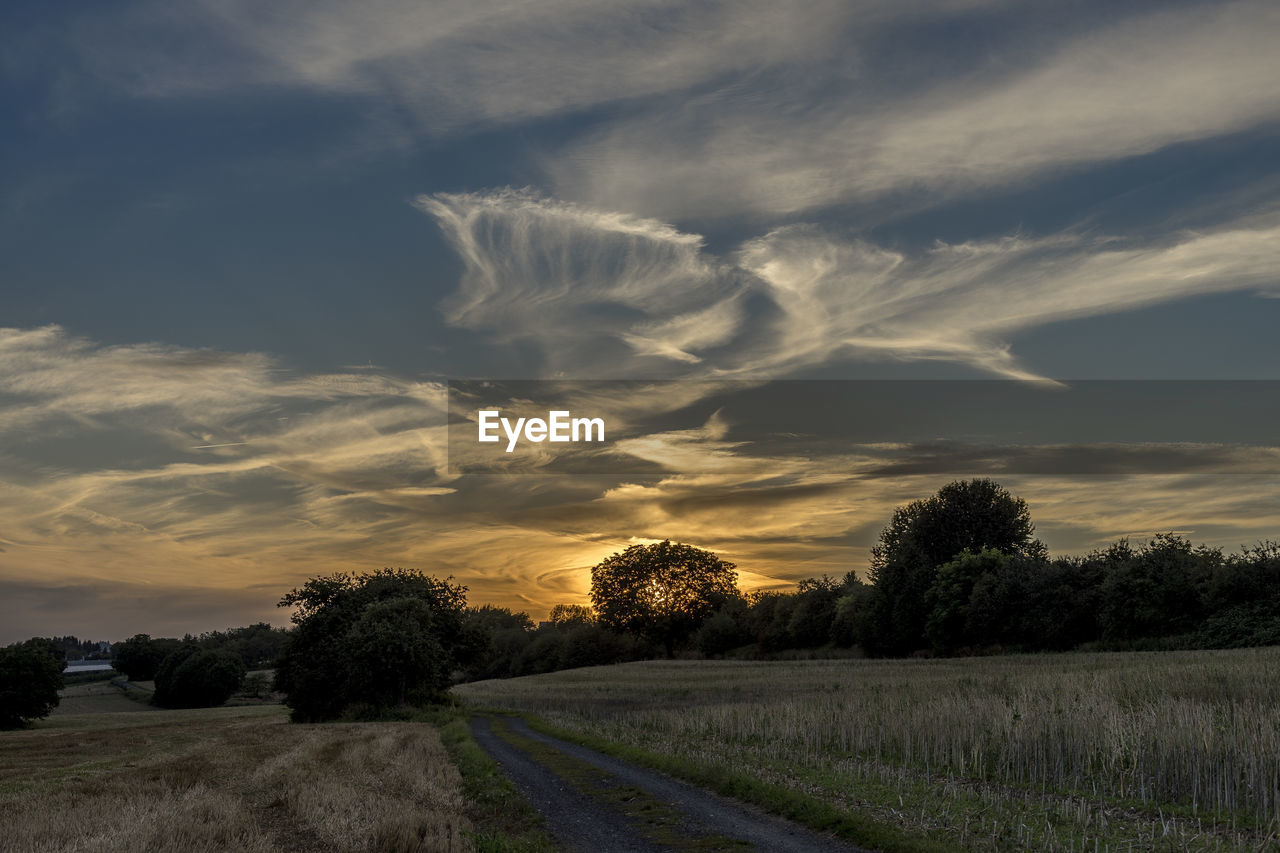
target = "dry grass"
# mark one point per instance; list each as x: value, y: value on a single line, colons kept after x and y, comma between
x: 1123, y: 751
x: 227, y: 779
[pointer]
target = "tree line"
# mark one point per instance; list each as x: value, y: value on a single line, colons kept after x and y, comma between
x: 959, y: 572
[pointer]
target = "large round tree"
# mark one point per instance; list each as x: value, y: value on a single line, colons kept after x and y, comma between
x: 964, y: 516
x: 661, y: 592
x: 30, y: 678
x: 371, y: 642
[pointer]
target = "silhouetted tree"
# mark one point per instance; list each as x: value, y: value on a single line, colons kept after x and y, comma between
x: 812, y: 612
x: 966, y: 515
x: 661, y: 592
x: 850, y: 616
x: 394, y: 655
x: 1157, y: 590
x: 564, y: 615
x: 140, y: 656
x: 257, y: 645
x: 30, y: 678
x: 194, y: 677
x: 372, y: 640
x: 494, y: 638
x: 726, y: 629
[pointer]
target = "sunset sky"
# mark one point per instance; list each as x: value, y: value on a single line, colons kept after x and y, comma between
x: 245, y: 246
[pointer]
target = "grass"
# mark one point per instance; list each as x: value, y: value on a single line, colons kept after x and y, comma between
x: 96, y: 697
x: 228, y: 779
x: 1144, y: 751
x: 502, y: 821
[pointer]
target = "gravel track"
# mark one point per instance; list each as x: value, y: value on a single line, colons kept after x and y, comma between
x: 579, y: 822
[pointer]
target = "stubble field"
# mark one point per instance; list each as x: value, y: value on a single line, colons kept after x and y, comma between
x: 238, y: 778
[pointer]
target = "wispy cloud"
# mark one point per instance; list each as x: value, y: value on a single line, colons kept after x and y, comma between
x: 217, y: 462
x: 958, y: 302
x: 345, y: 472
x: 455, y: 63
x: 577, y: 283
x: 540, y: 270
x: 1122, y: 90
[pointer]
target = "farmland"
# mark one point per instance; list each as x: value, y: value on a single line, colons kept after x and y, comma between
x: 1172, y: 750
x: 235, y: 778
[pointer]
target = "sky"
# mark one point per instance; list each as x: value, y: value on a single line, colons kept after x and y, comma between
x: 813, y: 260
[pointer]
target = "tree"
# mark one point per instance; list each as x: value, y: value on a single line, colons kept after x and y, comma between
x: 493, y: 640
x: 570, y: 615
x: 192, y: 677
x: 661, y: 592
x: 371, y: 641
x: 1157, y: 590
x: 30, y: 678
x: 394, y: 654
x: 924, y: 535
x: 140, y: 656
x: 814, y: 610
x: 975, y: 599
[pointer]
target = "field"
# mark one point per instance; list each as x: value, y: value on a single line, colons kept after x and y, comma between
x: 1155, y: 751
x: 124, y: 777
x: 96, y: 697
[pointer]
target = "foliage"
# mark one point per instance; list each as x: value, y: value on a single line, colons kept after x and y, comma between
x: 1006, y: 595
x: 563, y: 615
x: 30, y: 678
x: 493, y: 638
x: 967, y: 601
x: 1156, y: 590
x: 727, y: 629
x: 194, y: 677
x: 394, y: 655
x: 924, y: 535
x: 256, y: 645
x: 661, y: 592
x: 374, y: 640
x: 140, y: 656
x: 809, y: 623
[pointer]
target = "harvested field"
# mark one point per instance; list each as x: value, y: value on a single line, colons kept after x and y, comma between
x: 227, y: 779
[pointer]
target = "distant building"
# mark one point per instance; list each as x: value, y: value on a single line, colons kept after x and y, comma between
x: 75, y: 666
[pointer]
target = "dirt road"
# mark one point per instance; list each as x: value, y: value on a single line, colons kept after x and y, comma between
x: 594, y: 802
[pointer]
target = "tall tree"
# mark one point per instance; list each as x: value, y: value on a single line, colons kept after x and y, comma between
x: 661, y: 592
x: 376, y: 640
x: 30, y: 678
x: 966, y: 515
